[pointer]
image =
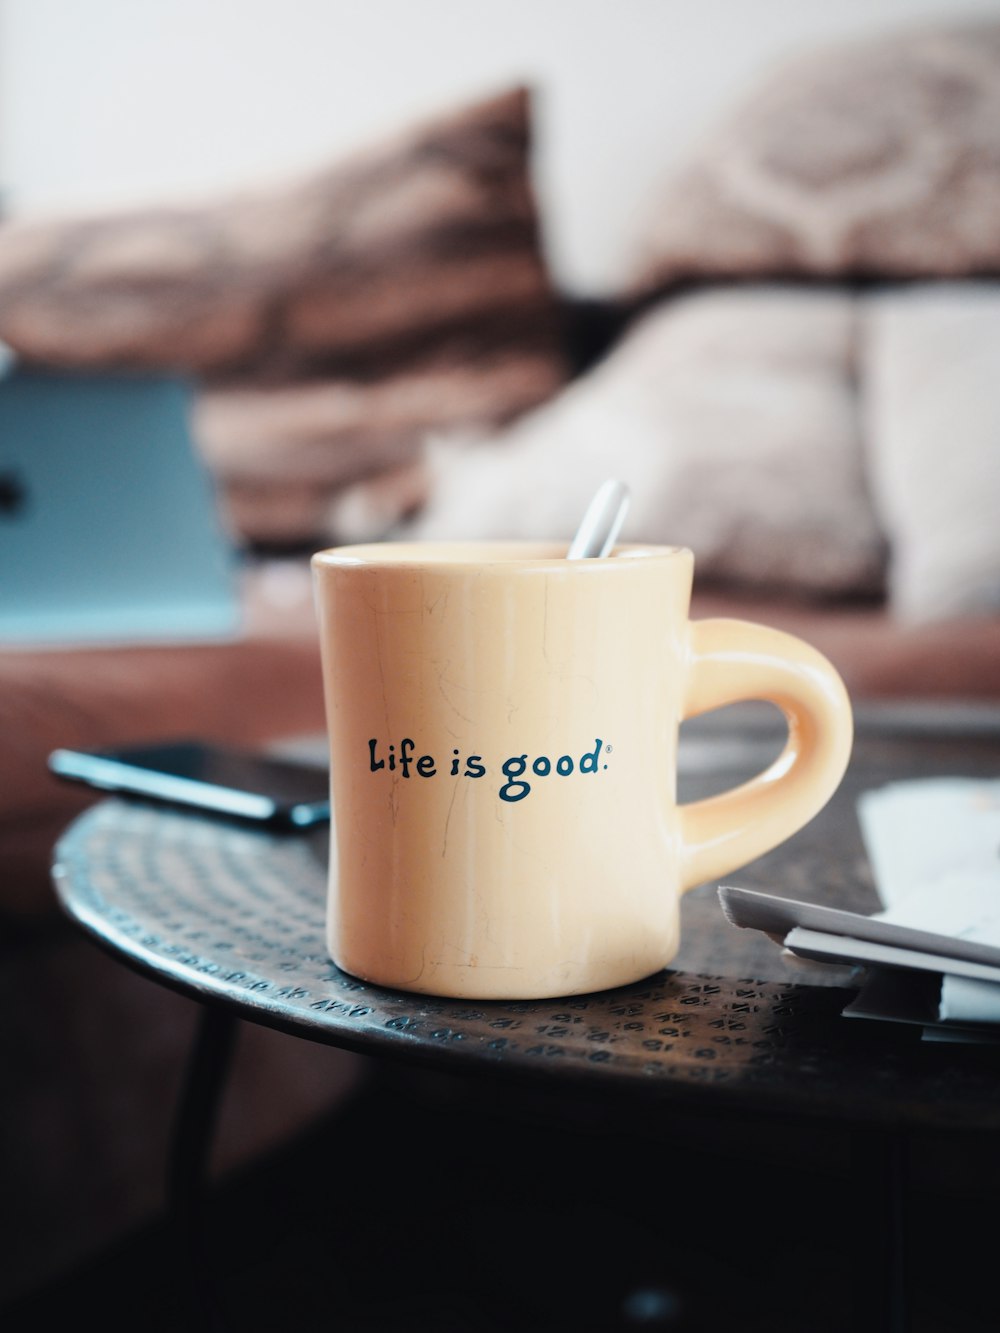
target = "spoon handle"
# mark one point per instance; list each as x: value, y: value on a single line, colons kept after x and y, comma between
x: 601, y: 523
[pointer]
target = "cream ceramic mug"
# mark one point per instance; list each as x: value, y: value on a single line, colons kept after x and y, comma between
x: 503, y: 728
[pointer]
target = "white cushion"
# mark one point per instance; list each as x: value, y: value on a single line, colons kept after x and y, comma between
x: 932, y: 412
x: 732, y: 417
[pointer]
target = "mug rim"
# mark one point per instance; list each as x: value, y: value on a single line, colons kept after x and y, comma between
x: 501, y: 553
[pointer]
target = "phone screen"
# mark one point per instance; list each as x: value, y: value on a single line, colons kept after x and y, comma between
x: 206, y: 777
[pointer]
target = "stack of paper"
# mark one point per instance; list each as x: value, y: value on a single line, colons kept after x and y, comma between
x: 932, y: 955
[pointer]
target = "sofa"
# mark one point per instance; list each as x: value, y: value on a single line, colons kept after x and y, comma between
x: 797, y: 381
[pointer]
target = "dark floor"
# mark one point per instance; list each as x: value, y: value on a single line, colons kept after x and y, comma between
x: 465, y: 1208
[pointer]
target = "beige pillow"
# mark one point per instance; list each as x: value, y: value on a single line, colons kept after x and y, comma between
x: 931, y: 380
x: 732, y: 418
x: 877, y: 156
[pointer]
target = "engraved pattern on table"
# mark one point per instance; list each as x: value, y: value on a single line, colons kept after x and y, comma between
x: 236, y: 916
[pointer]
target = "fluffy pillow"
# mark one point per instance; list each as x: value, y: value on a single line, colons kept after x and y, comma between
x: 932, y: 395
x: 430, y: 236
x: 874, y: 157
x: 731, y: 416
x: 330, y: 322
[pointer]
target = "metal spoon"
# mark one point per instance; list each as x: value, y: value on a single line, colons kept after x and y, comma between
x: 601, y: 523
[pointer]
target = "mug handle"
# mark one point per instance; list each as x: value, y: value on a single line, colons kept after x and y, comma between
x: 732, y: 661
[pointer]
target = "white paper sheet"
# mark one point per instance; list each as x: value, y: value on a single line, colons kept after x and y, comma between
x: 928, y: 831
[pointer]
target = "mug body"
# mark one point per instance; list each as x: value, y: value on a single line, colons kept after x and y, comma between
x: 503, y: 733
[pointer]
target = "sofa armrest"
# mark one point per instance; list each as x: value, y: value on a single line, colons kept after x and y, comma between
x: 879, y: 657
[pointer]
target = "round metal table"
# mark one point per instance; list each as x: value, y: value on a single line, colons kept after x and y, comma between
x: 235, y: 918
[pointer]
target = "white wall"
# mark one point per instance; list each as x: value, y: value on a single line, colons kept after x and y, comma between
x: 105, y: 101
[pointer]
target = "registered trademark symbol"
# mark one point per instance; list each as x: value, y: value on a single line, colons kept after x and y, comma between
x: 608, y: 749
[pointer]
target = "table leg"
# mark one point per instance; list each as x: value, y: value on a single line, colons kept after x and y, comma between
x: 881, y: 1168
x: 190, y: 1157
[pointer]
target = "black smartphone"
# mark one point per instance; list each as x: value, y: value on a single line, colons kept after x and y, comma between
x: 258, y: 788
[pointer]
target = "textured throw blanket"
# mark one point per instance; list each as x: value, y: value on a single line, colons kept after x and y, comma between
x: 331, y: 320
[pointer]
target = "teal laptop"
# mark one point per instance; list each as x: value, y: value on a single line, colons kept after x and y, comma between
x: 110, y: 530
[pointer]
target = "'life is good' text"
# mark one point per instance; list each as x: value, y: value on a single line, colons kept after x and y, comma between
x: 520, y: 771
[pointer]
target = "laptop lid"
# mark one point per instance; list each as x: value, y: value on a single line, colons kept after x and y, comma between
x: 110, y: 529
